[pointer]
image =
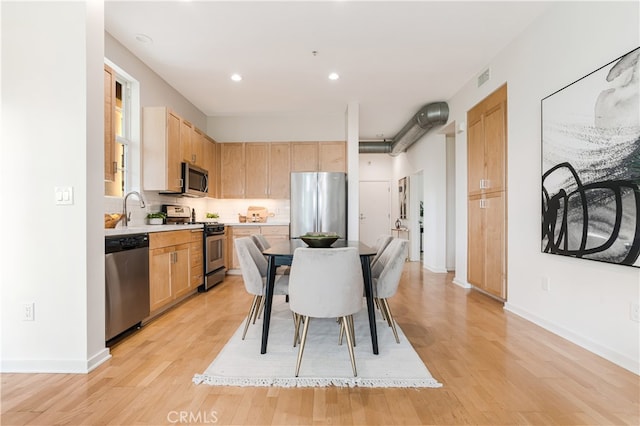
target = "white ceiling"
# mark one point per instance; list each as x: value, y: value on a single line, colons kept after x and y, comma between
x: 393, y: 57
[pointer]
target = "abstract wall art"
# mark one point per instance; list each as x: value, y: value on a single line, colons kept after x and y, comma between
x: 591, y: 165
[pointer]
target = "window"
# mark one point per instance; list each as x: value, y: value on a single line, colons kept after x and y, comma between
x: 126, y: 131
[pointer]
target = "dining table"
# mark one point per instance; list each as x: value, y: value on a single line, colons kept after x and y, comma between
x: 282, y: 254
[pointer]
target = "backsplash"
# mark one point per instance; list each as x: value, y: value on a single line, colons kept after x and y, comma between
x: 229, y: 210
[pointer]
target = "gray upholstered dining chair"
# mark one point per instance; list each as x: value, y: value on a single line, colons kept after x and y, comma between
x: 263, y: 244
x: 386, y: 278
x: 253, y: 266
x: 261, y: 241
x: 325, y: 283
x: 381, y: 243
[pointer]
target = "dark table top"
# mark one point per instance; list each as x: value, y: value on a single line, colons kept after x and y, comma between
x: 287, y: 248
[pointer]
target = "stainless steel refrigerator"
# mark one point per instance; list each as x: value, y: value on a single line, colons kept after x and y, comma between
x: 318, y: 203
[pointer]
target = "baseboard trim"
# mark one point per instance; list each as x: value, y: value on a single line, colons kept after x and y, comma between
x: 459, y: 283
x: 98, y: 359
x: 615, y: 357
x: 434, y: 269
x: 54, y: 366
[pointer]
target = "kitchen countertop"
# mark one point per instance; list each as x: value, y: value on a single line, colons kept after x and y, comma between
x: 141, y: 229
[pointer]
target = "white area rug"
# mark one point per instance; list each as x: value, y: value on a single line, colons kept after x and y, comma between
x: 324, y: 363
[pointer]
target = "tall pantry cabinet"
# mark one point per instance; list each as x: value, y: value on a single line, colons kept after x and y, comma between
x: 487, y: 194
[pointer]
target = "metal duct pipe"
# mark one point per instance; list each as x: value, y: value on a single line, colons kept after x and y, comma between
x: 431, y: 115
x: 372, y: 147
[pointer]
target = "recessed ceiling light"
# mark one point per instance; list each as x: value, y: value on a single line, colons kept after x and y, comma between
x: 334, y: 76
x: 236, y: 77
x: 143, y: 38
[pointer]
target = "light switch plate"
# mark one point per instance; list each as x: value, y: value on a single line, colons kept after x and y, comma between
x: 63, y: 195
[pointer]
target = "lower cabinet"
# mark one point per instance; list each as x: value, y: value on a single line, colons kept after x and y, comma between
x: 486, y: 244
x: 169, y: 267
x: 273, y: 234
x: 196, y: 258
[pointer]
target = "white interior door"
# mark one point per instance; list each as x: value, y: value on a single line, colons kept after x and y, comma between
x: 375, y: 210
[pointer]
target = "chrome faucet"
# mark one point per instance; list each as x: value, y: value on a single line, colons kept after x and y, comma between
x: 124, y: 206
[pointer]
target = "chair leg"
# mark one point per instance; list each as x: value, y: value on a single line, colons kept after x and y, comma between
x: 350, y: 347
x: 251, y: 313
x: 297, y: 318
x: 302, y: 342
x: 353, y: 329
x: 341, y: 322
x: 381, y: 307
x: 392, y: 322
x: 259, y: 310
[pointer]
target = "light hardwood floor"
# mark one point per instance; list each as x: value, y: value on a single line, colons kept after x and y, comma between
x: 496, y: 368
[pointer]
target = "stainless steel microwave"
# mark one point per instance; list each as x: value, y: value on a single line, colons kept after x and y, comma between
x: 195, y: 181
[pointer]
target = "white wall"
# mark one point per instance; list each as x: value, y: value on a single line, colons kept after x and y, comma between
x: 283, y: 127
x: 154, y: 91
x: 588, y: 301
x: 52, y: 112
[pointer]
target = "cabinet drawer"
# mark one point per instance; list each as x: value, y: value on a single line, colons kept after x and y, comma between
x: 170, y: 238
x: 275, y: 230
x: 196, y: 236
x: 245, y: 231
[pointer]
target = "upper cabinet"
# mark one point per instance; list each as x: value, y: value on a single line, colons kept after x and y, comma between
x: 257, y: 170
x: 161, y: 129
x: 262, y: 169
x: 110, y: 163
x: 192, y: 144
x: 232, y: 170
x: 279, y: 170
x: 332, y: 157
x: 211, y: 164
x: 304, y: 157
x: 318, y: 157
x: 169, y: 140
x: 487, y: 144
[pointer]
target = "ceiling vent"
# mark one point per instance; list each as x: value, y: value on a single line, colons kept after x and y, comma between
x: 484, y: 77
x: 429, y: 116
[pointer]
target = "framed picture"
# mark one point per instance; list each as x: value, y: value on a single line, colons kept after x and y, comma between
x: 402, y: 192
x: 591, y: 165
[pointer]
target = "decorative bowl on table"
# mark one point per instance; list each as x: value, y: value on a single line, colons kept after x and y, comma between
x: 319, y: 239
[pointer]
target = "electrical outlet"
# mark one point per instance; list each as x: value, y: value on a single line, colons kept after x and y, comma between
x: 635, y: 311
x: 28, y: 313
x: 544, y: 283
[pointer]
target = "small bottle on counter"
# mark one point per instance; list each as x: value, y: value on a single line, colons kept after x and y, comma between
x: 193, y: 215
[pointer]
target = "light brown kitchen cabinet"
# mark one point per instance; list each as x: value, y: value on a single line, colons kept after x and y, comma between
x: 211, y: 164
x: 257, y: 170
x: 191, y: 144
x: 318, y: 157
x: 332, y: 157
x: 232, y: 170
x: 238, y: 232
x: 196, y: 259
x: 486, y: 267
x: 304, y: 156
x: 487, y: 144
x: 279, y: 170
x: 161, y: 150
x: 186, y: 131
x: 169, y: 267
x: 110, y: 163
x: 487, y: 194
x: 273, y: 233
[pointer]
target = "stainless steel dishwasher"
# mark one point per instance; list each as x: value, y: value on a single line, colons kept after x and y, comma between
x: 126, y: 267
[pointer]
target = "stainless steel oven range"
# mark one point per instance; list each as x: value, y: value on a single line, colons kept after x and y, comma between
x: 214, y: 247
